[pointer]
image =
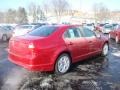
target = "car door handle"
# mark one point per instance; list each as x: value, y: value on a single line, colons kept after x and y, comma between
x: 90, y: 41
x: 70, y: 43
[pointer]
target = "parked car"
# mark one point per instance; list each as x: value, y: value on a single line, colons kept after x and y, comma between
x: 107, y: 28
x: 115, y: 34
x: 5, y: 32
x: 99, y: 27
x: 90, y: 26
x: 115, y: 24
x: 55, y: 47
x: 39, y: 24
x: 23, y: 29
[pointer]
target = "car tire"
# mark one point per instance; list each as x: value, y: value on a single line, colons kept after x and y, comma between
x: 4, y: 38
x: 105, y: 49
x: 109, y: 36
x: 116, y: 39
x: 63, y: 64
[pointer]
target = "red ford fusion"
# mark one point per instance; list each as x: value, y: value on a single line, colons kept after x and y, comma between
x: 55, y: 47
x: 115, y: 34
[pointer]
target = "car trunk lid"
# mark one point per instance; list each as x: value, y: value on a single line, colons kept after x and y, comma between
x: 23, y: 45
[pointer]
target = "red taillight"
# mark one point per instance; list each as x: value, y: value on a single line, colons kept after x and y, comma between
x: 31, y: 47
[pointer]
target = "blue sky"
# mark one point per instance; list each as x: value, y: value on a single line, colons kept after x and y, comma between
x: 76, y: 4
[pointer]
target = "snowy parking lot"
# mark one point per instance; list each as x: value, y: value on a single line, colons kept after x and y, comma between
x: 96, y: 73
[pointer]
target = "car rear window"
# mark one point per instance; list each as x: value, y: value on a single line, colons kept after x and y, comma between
x: 43, y: 31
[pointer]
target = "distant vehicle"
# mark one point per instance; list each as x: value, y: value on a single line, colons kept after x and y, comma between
x: 55, y: 47
x: 115, y: 24
x: 23, y: 29
x: 8, y: 27
x: 115, y: 34
x: 90, y: 26
x: 99, y: 27
x: 6, y: 32
x: 107, y: 28
x: 39, y: 24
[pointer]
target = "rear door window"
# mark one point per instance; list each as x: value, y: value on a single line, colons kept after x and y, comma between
x: 72, y: 33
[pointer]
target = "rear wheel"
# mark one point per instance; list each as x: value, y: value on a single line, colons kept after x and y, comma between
x: 4, y: 38
x: 63, y: 64
x: 105, y: 50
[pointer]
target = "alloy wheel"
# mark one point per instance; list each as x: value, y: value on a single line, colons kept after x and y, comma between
x: 105, y: 49
x: 63, y: 64
x: 116, y: 39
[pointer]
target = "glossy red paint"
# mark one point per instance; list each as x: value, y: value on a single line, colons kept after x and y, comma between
x: 115, y: 33
x: 45, y: 50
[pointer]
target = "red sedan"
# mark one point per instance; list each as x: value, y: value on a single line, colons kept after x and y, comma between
x: 115, y: 34
x: 55, y: 48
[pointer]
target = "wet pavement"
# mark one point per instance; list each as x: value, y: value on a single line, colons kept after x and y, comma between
x: 96, y: 73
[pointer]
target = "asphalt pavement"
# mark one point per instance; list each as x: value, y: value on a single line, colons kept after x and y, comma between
x: 96, y: 73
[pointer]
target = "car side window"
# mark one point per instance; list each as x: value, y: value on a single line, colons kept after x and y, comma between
x: 88, y: 33
x: 72, y: 33
x: 67, y: 34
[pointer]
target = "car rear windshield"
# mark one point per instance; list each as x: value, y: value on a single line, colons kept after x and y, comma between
x: 43, y: 31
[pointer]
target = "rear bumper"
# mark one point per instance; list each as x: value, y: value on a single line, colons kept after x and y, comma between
x: 29, y: 63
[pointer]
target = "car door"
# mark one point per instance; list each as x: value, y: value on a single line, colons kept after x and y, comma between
x: 94, y: 43
x: 113, y: 32
x: 76, y: 44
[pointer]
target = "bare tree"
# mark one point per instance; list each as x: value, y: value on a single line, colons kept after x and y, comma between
x: 46, y: 8
x: 33, y: 11
x: 101, y: 12
x: 36, y: 12
x: 59, y: 8
x: 10, y: 16
x: 22, y: 15
x: 2, y: 17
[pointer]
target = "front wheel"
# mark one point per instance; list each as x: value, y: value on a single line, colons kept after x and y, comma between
x: 105, y: 50
x: 63, y: 64
x: 116, y: 39
x: 109, y: 36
